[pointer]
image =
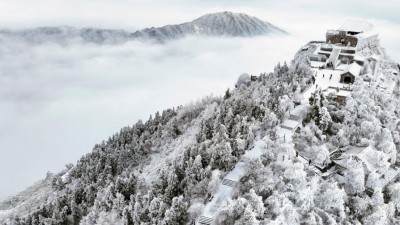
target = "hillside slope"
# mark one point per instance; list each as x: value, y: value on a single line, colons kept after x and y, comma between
x: 165, y: 170
x: 169, y: 160
x: 215, y: 24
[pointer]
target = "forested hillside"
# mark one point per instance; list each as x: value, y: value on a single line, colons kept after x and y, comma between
x: 163, y: 170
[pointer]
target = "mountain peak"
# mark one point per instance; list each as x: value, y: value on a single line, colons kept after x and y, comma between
x: 225, y: 14
x: 233, y: 24
x: 228, y: 24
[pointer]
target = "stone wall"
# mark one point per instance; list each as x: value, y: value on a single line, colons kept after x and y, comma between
x: 340, y: 37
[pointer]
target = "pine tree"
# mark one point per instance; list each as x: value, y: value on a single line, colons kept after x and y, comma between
x: 227, y: 94
x: 177, y: 213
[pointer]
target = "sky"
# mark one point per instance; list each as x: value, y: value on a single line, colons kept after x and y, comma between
x: 56, y: 102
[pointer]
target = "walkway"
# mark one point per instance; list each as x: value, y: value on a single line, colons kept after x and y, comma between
x: 334, y: 56
x: 228, y: 184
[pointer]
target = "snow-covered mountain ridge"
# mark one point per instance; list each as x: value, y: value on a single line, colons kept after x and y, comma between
x: 215, y: 24
x: 225, y: 24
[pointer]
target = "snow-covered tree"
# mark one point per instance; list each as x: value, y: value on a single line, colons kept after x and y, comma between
x: 177, y: 213
x: 378, y: 217
x: 355, y: 183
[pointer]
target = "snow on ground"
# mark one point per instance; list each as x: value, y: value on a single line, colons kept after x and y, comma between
x: 285, y: 135
x: 323, y: 81
x: 152, y: 170
x: 65, y: 177
x: 171, y: 151
x: 237, y: 172
x: 309, y: 166
x: 382, y: 68
x: 256, y: 151
x: 224, y: 192
x: 22, y: 203
x: 299, y: 110
x: 5, y: 212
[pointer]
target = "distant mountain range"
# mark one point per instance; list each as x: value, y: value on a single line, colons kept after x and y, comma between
x: 226, y: 24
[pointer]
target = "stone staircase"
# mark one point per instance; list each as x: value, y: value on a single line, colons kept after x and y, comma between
x: 205, y: 220
x: 229, y: 183
x: 294, y: 117
x: 333, y: 57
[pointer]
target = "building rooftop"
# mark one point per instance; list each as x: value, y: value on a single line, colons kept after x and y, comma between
x: 356, y: 26
x: 344, y: 93
x: 354, y: 69
x: 290, y: 124
x: 371, y: 158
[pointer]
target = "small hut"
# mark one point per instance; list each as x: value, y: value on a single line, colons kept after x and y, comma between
x: 349, y: 75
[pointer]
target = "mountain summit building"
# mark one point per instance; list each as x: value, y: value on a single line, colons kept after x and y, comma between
x: 356, y: 34
x: 342, y: 58
x: 342, y: 46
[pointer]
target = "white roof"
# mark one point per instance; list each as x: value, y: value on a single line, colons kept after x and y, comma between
x: 292, y: 124
x: 370, y: 159
x: 332, y: 32
x: 344, y: 93
x: 367, y: 34
x: 358, y: 57
x: 389, y: 176
x: 341, y: 92
x: 356, y: 26
x: 354, y: 69
x: 368, y: 155
x: 342, y: 67
x: 355, y: 150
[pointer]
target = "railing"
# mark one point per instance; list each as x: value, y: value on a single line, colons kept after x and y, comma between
x: 306, y: 89
x: 349, y: 51
x: 294, y: 117
x: 287, y: 128
x: 326, y: 49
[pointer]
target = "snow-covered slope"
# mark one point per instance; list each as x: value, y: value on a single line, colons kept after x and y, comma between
x: 167, y: 160
x: 23, y: 203
x: 65, y: 34
x: 215, y: 24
